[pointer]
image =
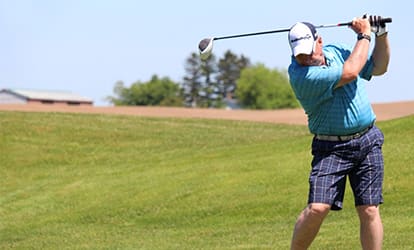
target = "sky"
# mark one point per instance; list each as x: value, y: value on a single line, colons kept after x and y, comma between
x: 86, y: 46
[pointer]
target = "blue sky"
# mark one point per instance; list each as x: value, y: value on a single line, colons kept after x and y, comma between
x: 86, y: 46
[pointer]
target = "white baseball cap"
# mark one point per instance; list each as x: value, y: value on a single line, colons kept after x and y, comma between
x: 302, y: 38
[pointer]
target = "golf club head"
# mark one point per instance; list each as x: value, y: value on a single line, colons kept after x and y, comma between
x: 205, y: 47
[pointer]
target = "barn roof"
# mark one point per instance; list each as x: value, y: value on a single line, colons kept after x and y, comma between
x: 48, y: 95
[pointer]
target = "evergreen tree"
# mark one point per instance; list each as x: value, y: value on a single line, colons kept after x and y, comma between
x: 192, y: 81
x: 199, y: 86
x: 210, y: 89
x: 229, y: 68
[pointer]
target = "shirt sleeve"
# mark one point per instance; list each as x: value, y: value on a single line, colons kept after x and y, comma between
x: 366, y: 72
x: 346, y: 50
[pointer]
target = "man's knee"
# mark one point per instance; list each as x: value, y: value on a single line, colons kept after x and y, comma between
x: 368, y: 212
x: 318, y: 210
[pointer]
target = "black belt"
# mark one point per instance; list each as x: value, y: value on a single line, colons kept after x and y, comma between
x: 343, y: 137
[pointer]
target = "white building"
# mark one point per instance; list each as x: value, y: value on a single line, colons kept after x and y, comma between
x: 20, y: 96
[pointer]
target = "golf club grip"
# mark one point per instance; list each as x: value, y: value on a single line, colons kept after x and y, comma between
x: 382, y: 21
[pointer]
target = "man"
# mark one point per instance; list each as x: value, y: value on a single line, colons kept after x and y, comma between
x: 328, y: 82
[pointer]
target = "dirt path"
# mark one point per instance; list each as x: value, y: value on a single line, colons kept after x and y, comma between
x: 385, y: 111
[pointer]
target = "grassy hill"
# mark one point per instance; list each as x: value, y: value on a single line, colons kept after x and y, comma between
x: 72, y: 181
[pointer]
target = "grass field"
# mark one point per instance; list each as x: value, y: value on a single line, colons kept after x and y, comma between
x: 72, y: 181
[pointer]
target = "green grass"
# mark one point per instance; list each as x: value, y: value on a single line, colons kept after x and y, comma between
x: 71, y: 181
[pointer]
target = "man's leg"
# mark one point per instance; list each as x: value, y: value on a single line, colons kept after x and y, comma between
x: 308, y: 224
x: 366, y: 182
x: 371, y: 231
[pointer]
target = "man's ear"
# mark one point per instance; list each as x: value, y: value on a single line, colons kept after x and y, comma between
x: 319, y: 40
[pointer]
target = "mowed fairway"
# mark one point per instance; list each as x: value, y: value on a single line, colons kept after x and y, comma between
x: 82, y: 181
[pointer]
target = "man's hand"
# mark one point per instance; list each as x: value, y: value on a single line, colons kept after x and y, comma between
x: 376, y: 26
x: 361, y: 25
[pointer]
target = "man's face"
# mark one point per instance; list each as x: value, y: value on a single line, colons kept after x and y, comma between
x: 314, y: 59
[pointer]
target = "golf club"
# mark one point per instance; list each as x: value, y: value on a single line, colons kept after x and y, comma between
x: 206, y: 45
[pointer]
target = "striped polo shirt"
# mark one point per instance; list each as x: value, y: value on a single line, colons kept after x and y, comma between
x: 341, y: 111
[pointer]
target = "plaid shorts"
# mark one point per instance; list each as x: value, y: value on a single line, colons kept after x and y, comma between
x: 360, y: 159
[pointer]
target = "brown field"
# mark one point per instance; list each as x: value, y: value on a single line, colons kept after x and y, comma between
x: 384, y: 111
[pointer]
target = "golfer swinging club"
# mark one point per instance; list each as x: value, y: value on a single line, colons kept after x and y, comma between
x: 328, y: 82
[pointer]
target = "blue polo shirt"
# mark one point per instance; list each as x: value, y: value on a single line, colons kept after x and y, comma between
x: 341, y: 111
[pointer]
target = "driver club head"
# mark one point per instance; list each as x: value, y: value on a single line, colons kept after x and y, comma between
x: 205, y: 47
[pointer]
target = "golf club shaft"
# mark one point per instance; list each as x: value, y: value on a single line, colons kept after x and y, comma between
x: 252, y: 34
x: 383, y: 20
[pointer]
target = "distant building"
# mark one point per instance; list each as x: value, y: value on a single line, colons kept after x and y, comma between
x: 19, y: 96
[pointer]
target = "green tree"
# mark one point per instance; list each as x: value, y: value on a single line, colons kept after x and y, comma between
x: 156, y: 92
x: 262, y: 88
x: 121, y: 92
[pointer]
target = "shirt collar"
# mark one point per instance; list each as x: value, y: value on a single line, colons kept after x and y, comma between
x: 329, y: 57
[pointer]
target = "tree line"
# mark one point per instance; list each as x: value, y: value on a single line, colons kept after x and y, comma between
x: 213, y: 83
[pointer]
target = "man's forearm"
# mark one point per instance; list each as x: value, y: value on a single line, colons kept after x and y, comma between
x: 355, y: 62
x: 381, y: 55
